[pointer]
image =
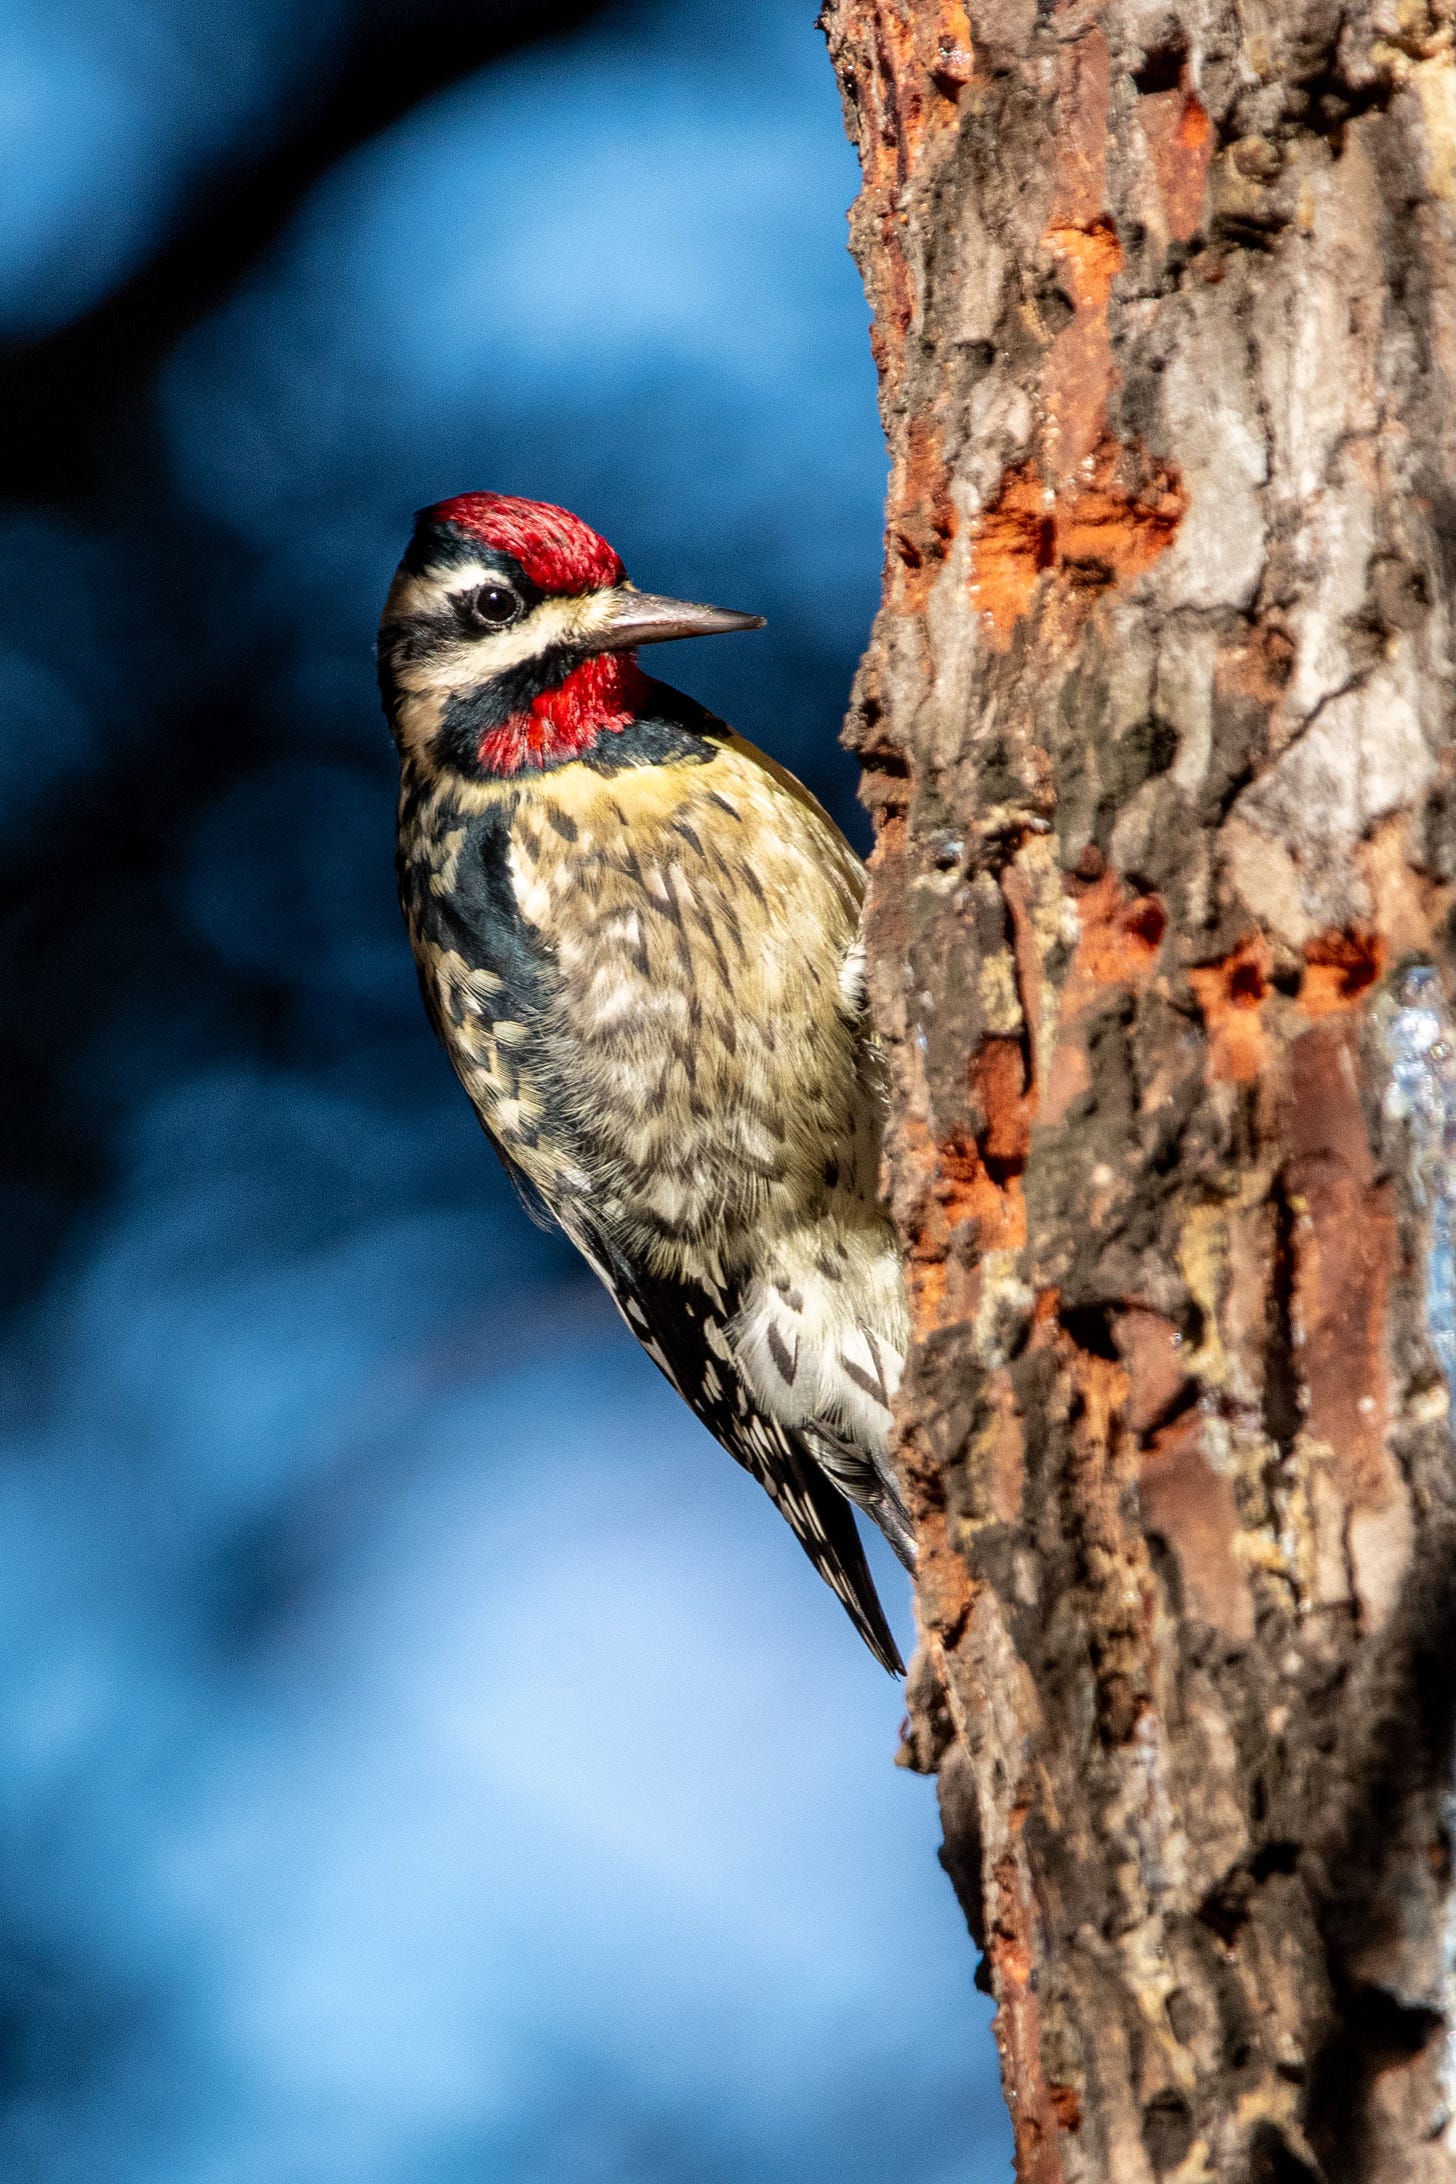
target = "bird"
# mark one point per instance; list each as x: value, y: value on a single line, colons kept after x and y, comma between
x: 638, y: 939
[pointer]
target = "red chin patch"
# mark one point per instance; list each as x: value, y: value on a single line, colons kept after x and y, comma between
x: 601, y: 696
x: 555, y: 548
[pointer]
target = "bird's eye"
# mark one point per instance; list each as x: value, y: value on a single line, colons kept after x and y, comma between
x: 494, y: 605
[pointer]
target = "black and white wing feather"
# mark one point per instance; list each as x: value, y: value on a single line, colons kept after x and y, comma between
x: 681, y: 1327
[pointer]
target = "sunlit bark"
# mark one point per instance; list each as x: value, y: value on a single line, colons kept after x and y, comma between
x: 1157, y: 728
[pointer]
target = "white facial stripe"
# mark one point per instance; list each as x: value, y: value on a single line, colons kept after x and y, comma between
x: 423, y: 592
x: 572, y: 620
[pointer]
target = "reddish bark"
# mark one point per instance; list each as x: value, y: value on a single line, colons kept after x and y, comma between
x: 1157, y: 730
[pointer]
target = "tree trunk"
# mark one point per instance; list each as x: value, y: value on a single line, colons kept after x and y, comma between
x: 1157, y: 729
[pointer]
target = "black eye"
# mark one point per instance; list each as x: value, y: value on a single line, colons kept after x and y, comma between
x: 494, y: 605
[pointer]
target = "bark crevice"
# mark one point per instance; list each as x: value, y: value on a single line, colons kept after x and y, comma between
x: 1157, y: 733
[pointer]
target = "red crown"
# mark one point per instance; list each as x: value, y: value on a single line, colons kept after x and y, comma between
x: 555, y: 548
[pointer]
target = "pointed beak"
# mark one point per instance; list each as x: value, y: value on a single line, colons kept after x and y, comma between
x: 641, y: 618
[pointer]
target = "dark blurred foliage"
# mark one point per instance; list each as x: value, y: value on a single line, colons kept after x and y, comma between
x: 423, y: 1757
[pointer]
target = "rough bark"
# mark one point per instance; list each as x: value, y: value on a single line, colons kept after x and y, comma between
x: 1157, y: 728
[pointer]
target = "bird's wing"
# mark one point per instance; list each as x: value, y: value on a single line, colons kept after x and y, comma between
x: 681, y: 1326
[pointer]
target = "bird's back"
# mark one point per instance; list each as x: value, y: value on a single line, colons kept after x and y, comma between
x: 645, y: 974
x: 641, y: 974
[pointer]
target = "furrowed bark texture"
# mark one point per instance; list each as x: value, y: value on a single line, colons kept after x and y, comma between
x: 1157, y: 728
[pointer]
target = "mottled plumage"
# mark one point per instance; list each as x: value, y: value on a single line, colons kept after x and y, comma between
x: 637, y: 938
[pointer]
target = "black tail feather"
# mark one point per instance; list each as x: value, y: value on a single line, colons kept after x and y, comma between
x: 830, y: 1538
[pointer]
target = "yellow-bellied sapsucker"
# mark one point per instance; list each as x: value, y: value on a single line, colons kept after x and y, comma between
x: 637, y: 937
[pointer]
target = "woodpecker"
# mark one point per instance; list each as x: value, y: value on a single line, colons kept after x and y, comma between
x: 637, y: 937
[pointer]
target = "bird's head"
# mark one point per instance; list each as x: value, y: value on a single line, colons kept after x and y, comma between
x: 509, y: 638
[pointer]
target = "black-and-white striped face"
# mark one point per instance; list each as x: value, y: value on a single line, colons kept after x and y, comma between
x: 486, y: 638
x: 469, y: 642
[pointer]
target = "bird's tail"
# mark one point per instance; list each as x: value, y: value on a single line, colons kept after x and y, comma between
x: 870, y: 1485
x: 824, y: 1522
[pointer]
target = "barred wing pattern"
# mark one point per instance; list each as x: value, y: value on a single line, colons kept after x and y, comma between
x: 681, y: 1326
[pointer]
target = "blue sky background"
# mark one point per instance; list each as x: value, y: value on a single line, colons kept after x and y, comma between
x: 424, y: 1758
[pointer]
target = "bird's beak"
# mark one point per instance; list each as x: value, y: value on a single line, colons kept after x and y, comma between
x: 641, y: 618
